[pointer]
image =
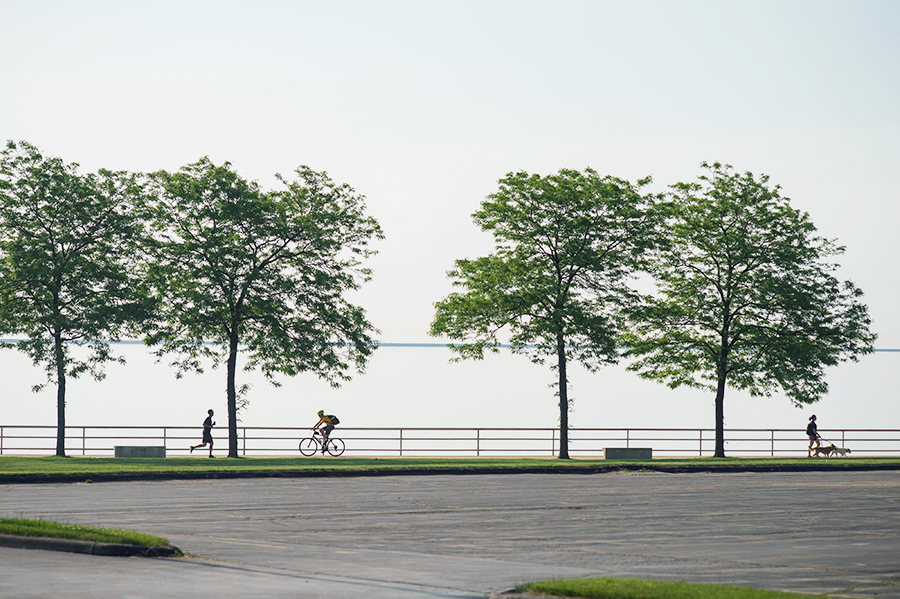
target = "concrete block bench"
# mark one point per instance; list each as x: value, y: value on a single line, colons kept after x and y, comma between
x: 627, y: 453
x: 137, y: 451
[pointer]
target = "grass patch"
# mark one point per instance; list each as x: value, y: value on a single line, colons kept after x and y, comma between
x: 631, y: 588
x: 87, y: 466
x: 43, y: 528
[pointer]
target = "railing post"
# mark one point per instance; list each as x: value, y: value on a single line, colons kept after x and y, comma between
x: 164, y: 437
x: 401, y: 442
x: 1, y: 440
x: 773, y: 443
x: 244, y: 441
x: 701, y: 442
x: 83, y: 440
x: 627, y: 437
x: 477, y: 442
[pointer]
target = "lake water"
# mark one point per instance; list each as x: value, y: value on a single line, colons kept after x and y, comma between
x: 418, y: 387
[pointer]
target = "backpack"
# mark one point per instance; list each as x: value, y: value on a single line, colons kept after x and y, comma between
x: 334, y: 419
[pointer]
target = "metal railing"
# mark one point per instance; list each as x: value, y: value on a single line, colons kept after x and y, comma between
x: 468, y: 442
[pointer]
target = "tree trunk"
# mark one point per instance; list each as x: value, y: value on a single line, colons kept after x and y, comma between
x: 720, y: 417
x: 721, y: 376
x: 232, y: 396
x: 60, y: 398
x: 563, y: 400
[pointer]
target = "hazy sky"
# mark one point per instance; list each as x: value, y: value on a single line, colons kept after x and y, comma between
x: 422, y: 106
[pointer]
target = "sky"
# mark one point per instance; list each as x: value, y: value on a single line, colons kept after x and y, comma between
x: 422, y: 107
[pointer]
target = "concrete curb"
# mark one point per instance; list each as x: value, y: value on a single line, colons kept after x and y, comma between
x: 89, y: 547
x: 648, y: 466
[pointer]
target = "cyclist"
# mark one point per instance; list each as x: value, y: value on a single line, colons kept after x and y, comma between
x: 325, y: 425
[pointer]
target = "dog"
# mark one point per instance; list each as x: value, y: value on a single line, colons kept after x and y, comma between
x: 843, y: 451
x: 824, y: 451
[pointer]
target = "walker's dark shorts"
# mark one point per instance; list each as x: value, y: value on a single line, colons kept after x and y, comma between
x: 207, y: 436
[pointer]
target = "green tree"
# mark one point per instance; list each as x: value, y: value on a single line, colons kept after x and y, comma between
x: 746, y: 297
x: 262, y: 274
x: 67, y: 279
x: 566, y: 246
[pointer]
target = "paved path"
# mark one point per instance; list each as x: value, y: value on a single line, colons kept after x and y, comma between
x: 468, y: 536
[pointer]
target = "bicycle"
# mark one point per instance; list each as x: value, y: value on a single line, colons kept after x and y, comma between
x: 311, y: 445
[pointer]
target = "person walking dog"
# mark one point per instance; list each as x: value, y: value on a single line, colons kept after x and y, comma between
x: 207, y: 434
x: 812, y: 431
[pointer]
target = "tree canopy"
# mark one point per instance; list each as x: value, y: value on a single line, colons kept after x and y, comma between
x: 556, y: 283
x: 68, y: 278
x: 263, y: 274
x: 747, y: 297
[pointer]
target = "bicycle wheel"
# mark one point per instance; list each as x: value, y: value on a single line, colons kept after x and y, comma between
x: 335, y: 447
x: 309, y: 446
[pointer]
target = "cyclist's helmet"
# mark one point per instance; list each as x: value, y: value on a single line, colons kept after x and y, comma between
x: 320, y: 412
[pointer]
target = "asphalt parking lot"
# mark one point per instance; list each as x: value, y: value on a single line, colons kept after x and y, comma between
x: 469, y: 536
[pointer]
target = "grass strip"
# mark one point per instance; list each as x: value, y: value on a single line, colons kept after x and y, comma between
x: 631, y: 588
x: 86, y: 466
x: 44, y: 528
